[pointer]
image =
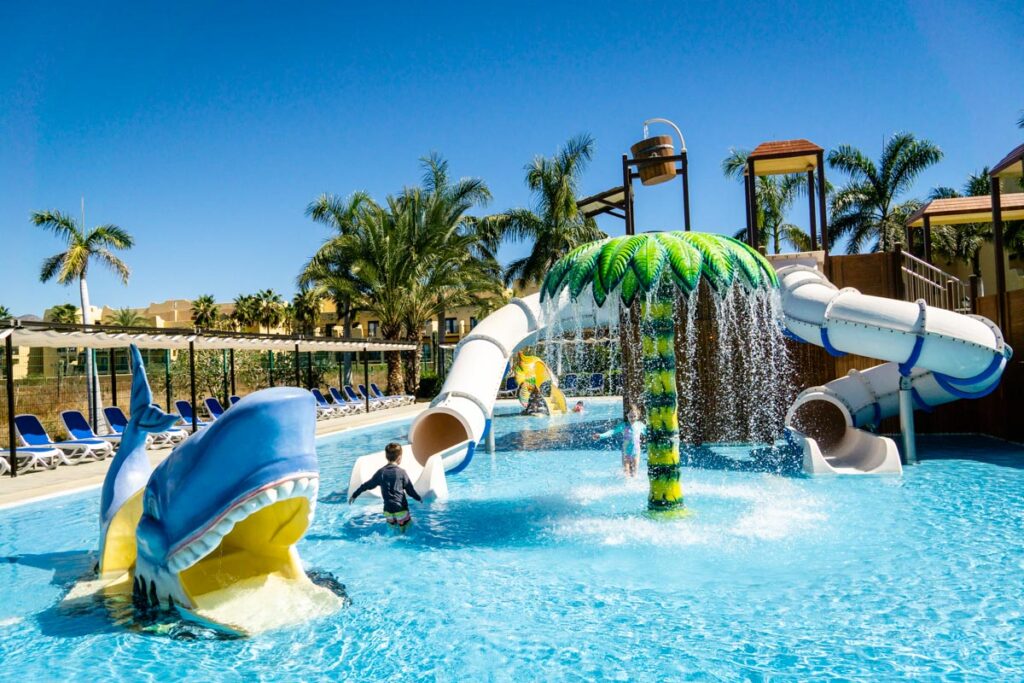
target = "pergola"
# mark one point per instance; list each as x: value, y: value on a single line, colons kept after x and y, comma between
x: 995, y: 209
x: 57, y: 335
x: 785, y: 157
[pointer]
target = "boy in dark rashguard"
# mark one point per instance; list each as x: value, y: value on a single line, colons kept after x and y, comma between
x: 394, y: 484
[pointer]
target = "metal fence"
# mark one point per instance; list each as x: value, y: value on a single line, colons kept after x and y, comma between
x: 921, y: 280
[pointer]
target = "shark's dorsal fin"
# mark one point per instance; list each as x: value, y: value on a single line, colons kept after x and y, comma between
x: 148, y: 416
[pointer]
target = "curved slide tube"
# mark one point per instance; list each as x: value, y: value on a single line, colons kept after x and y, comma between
x: 944, y: 355
x: 460, y: 415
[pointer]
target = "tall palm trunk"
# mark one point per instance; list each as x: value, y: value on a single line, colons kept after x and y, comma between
x: 393, y: 332
x: 92, y: 380
x: 440, y: 339
x: 412, y: 364
x: 658, y: 330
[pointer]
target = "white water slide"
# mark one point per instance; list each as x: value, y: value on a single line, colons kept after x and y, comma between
x: 938, y: 355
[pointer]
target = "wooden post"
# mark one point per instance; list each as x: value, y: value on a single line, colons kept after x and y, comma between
x: 822, y: 217
x: 928, y: 239
x: 113, y: 376
x: 973, y: 283
x: 752, y: 189
x: 192, y: 382
x: 627, y: 187
x: 12, y: 437
x: 997, y: 242
x: 686, y: 193
x: 810, y: 206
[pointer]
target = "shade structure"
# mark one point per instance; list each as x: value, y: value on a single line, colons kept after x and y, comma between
x: 785, y: 156
x: 963, y: 210
x: 1011, y: 165
x: 54, y: 335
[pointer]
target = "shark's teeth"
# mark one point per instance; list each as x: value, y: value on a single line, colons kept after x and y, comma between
x: 303, y: 487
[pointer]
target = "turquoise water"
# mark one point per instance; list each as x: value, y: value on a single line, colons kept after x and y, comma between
x: 543, y: 567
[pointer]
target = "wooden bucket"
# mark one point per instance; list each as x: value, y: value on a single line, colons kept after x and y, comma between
x: 650, y: 148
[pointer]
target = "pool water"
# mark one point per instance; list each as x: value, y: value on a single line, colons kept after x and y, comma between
x: 543, y: 566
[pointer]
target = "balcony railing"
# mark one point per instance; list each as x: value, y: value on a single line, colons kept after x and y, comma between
x: 921, y: 280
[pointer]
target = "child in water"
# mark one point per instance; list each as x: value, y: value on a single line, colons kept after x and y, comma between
x: 631, y: 430
x: 394, y: 484
x: 578, y: 408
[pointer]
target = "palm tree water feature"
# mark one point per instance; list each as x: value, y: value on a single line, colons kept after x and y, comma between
x: 702, y: 351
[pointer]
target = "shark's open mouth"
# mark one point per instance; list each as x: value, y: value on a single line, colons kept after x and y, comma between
x: 253, y: 537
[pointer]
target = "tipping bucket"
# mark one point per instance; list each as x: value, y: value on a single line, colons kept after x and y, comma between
x: 650, y: 148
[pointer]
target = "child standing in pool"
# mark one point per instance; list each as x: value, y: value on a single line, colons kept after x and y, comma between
x: 394, y: 484
x: 631, y: 430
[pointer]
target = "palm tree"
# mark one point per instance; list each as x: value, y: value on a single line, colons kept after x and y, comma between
x: 5, y: 313
x: 126, y: 317
x: 268, y: 308
x: 555, y: 225
x: 205, y: 312
x: 650, y: 268
x: 305, y: 309
x: 324, y: 271
x: 869, y: 210
x: 464, y: 239
x: 775, y: 196
x: 65, y: 314
x: 83, y: 247
x: 244, y: 314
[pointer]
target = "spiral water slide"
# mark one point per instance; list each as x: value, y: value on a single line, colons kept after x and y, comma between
x: 445, y: 436
x: 935, y: 356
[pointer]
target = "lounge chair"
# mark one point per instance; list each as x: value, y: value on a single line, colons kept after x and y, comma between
x: 79, y: 428
x: 30, y: 458
x: 341, y: 400
x: 185, y: 411
x: 117, y: 421
x: 569, y: 384
x: 31, y: 433
x: 509, y: 389
x: 403, y: 399
x: 234, y: 399
x: 355, y: 397
x: 596, y: 383
x: 213, y: 406
x: 325, y: 409
x: 389, y: 402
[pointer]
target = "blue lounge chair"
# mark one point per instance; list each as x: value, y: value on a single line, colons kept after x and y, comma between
x: 596, y: 383
x: 386, y: 402
x: 30, y: 458
x: 32, y: 433
x: 353, y: 396
x: 185, y: 410
x: 213, y: 406
x: 325, y: 409
x: 341, y: 400
x: 509, y: 389
x: 402, y: 398
x: 79, y: 428
x: 117, y: 421
x: 569, y: 384
x: 234, y: 399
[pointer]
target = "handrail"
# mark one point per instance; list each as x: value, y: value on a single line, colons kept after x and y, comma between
x: 922, y: 280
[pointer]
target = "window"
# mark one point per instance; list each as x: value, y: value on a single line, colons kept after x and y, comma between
x: 450, y: 325
x: 472, y: 322
x: 372, y: 328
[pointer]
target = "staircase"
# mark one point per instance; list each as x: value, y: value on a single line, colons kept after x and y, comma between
x: 921, y: 280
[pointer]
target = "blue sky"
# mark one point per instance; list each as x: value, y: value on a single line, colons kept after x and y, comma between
x: 205, y: 128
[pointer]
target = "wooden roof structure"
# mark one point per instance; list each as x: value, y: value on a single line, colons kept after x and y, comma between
x: 962, y: 210
x: 609, y: 201
x: 1010, y: 165
x: 785, y: 156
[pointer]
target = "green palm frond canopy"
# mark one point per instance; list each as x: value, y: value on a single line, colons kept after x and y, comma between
x: 636, y: 264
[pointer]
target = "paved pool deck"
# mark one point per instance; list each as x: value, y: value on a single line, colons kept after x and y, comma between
x: 34, y: 486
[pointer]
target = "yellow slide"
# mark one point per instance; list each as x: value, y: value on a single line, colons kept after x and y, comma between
x: 531, y: 374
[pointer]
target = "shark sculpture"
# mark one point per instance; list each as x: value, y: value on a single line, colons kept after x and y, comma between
x: 211, y: 531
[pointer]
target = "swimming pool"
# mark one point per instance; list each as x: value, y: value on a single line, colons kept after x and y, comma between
x: 544, y: 567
